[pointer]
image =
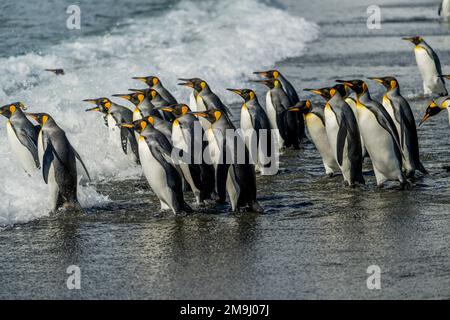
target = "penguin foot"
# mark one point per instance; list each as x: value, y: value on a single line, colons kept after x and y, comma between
x: 405, y: 185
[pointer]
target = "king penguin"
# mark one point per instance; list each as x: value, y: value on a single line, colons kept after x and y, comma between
x: 257, y: 131
x: 203, y: 98
x: 380, y: 135
x: 315, y: 122
x: 161, y: 173
x: 277, y: 102
x: 155, y: 84
x: 429, y: 67
x: 22, y: 136
x: 187, y: 138
x: 153, y: 98
x: 234, y: 177
x: 343, y: 135
x: 291, y: 93
x: 58, y: 158
x: 403, y: 117
x: 115, y: 115
x: 436, y: 106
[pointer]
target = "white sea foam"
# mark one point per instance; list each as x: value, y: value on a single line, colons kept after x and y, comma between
x: 220, y: 42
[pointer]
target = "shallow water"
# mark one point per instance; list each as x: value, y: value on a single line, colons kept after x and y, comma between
x: 316, y: 238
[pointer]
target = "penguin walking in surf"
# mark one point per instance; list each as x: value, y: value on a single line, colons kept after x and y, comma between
x: 156, y: 101
x: 156, y: 84
x: 187, y: 139
x: 203, y: 98
x: 114, y: 115
x: 291, y: 93
x: 235, y: 174
x: 257, y: 132
x: 142, y: 107
x: 315, y: 122
x: 429, y: 67
x: 343, y: 135
x: 403, y: 117
x: 58, y: 158
x: 161, y: 173
x: 277, y: 102
x: 380, y: 136
x: 22, y: 136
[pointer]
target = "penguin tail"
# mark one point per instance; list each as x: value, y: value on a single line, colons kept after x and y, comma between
x: 422, y: 169
x: 256, y: 207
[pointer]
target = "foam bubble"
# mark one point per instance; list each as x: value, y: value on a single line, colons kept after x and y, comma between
x: 220, y: 42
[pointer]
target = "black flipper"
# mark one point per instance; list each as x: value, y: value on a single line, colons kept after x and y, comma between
x: 82, y: 163
x: 340, y: 143
x: 47, y: 160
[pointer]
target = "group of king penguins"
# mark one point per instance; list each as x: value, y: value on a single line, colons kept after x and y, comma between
x: 166, y: 137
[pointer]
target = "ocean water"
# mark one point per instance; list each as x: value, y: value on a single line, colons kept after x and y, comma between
x: 316, y: 238
x: 215, y: 41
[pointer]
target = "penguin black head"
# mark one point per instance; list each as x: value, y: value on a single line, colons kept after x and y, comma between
x: 177, y: 109
x: 432, y: 110
x: 246, y: 94
x: 211, y: 115
x: 151, y: 81
x: 40, y: 118
x: 342, y: 89
x: 416, y: 40
x: 358, y: 86
x: 102, y: 104
x: 271, y: 74
x: 270, y: 83
x: 140, y: 125
x: 303, y: 106
x: 388, y: 82
x: 9, y: 109
x: 323, y: 92
x: 135, y: 98
x: 196, y: 83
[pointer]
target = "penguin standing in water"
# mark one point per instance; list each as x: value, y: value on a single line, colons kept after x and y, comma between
x: 380, y: 135
x: 234, y: 174
x: 114, y: 115
x: 291, y: 93
x: 343, y: 135
x: 187, y: 137
x: 22, y: 136
x: 403, y: 117
x: 315, y: 122
x: 162, y: 175
x: 58, y: 158
x: 203, y: 98
x: 436, y: 106
x: 256, y: 128
x: 155, y: 84
x: 277, y: 102
x: 429, y: 67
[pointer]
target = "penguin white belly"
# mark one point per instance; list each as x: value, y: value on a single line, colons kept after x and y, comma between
x: 319, y: 137
x: 156, y: 176
x: 249, y: 135
x: 41, y: 149
x: 114, y: 131
x: 25, y: 157
x: 445, y: 10
x: 180, y: 142
x: 52, y: 186
x: 192, y: 102
x: 448, y: 109
x: 213, y: 147
x: 272, y: 115
x: 380, y: 146
x: 427, y: 67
